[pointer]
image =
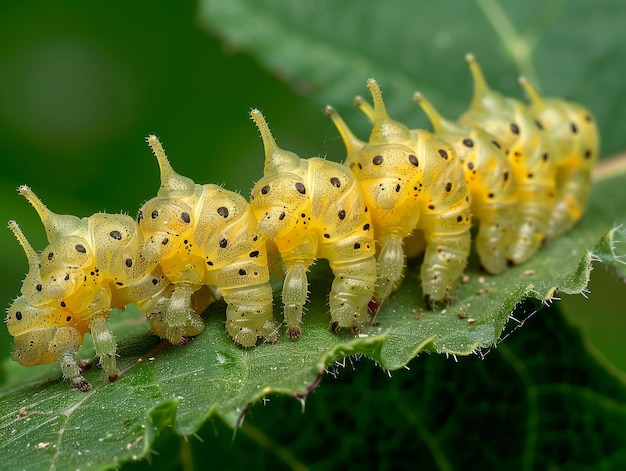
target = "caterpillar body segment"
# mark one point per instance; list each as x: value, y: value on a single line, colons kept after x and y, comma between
x: 489, y: 178
x: 576, y: 142
x: 531, y: 155
x: 47, y: 330
x: 411, y: 180
x: 313, y: 208
x: 86, y: 262
x: 206, y: 235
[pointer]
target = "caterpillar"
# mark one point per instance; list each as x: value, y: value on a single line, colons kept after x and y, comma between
x: 551, y: 144
x: 412, y: 180
x: 89, y: 266
x: 313, y: 208
x: 519, y: 171
x: 204, y: 235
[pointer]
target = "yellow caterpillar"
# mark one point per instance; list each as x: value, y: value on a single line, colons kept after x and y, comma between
x: 90, y: 266
x: 314, y: 208
x: 204, y: 235
x: 520, y: 172
x: 412, y: 180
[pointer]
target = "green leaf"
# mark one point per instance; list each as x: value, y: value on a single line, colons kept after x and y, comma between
x: 328, y: 49
x: 528, y: 404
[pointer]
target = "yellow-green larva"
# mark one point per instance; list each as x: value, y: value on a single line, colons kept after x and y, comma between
x: 520, y: 172
x: 531, y: 155
x: 575, y: 140
x: 412, y: 180
x: 204, y: 235
x: 313, y: 208
x: 89, y: 266
x: 489, y: 178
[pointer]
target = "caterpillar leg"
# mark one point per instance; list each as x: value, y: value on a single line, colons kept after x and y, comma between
x: 572, y: 197
x: 104, y: 344
x: 173, y: 318
x: 295, y: 290
x: 534, y: 212
x: 72, y: 372
x: 351, y: 292
x: 249, y: 314
x: 493, y: 238
x: 391, y: 264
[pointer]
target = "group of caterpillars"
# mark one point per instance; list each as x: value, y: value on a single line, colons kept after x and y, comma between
x: 519, y: 172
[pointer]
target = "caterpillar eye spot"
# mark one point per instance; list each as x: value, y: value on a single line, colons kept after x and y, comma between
x: 573, y: 128
x: 281, y: 216
x: 165, y: 241
x: 378, y: 160
x: 357, y: 246
x: 155, y: 281
x: 223, y: 211
x: 341, y: 215
x: 514, y: 128
x: 265, y: 190
x: 448, y: 187
x: 117, y: 235
x: 254, y: 254
x: 50, y: 255
x: 300, y: 188
x: 366, y: 227
x: 443, y: 154
x: 62, y: 304
x: 242, y: 272
x: 336, y: 182
x: 470, y: 165
x: 18, y: 315
x: 185, y: 217
x: 129, y: 262
x: 154, y: 214
x: 468, y: 143
x: 80, y: 248
x: 223, y: 243
x: 413, y: 160
x: 68, y: 318
x: 39, y: 288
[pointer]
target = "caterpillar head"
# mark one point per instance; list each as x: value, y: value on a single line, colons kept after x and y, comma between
x: 63, y: 262
x: 386, y: 165
x: 571, y: 126
x: 278, y: 198
x: 43, y: 333
x: 164, y: 219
